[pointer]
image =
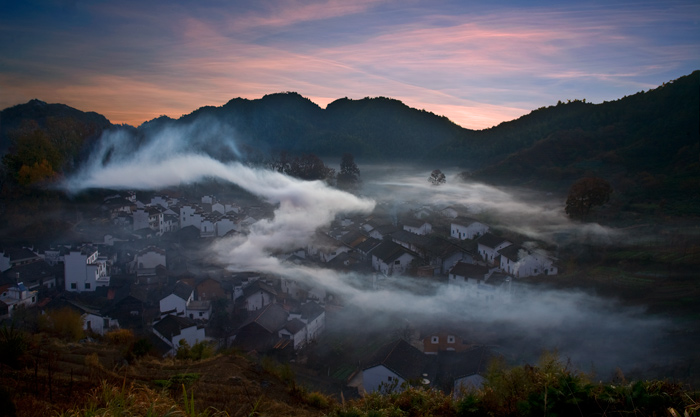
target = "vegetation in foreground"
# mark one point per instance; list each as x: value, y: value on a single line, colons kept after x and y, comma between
x: 54, y: 376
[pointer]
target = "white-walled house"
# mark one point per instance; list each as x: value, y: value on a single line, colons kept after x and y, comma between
x: 418, y: 227
x: 191, y: 215
x: 258, y: 295
x: 18, y: 295
x: 520, y: 262
x: 394, y: 364
x: 488, y: 246
x: 11, y: 257
x: 225, y: 224
x: 466, y: 273
x: 295, y: 331
x: 391, y: 258
x: 85, y: 270
x: 94, y: 320
x: 172, y: 329
x: 313, y: 316
x: 151, y: 217
x: 465, y: 228
x: 176, y: 302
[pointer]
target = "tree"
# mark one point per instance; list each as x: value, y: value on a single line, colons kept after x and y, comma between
x: 349, y: 176
x: 586, y: 193
x: 307, y: 167
x: 437, y: 177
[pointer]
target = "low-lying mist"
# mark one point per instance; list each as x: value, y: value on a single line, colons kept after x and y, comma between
x: 594, y: 332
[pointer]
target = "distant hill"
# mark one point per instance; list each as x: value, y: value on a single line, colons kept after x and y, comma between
x: 647, y: 143
x: 40, y: 140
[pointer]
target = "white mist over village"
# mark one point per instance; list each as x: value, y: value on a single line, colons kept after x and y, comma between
x: 319, y: 259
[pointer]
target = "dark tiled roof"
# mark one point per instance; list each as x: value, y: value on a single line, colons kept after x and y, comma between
x: 402, y: 359
x: 353, y: 238
x: 272, y: 318
x: 311, y: 311
x: 512, y: 252
x: 388, y: 251
x: 464, y: 269
x: 19, y: 254
x: 455, y: 365
x: 410, y: 238
x: 173, y: 325
x: 183, y: 290
x: 386, y: 229
x: 368, y: 245
x: 258, y: 286
x: 294, y: 326
x: 490, y: 240
x: 30, y: 272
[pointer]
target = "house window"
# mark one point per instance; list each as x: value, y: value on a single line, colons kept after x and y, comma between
x: 397, y: 262
x: 389, y: 378
x: 201, y: 313
x: 450, y: 339
x: 87, y: 285
x: 434, y: 340
x: 73, y: 286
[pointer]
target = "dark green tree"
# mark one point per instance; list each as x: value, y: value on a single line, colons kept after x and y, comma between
x: 585, y: 194
x: 349, y: 176
x: 437, y: 177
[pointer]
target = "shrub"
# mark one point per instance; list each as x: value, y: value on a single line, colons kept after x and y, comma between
x: 63, y: 323
x: 120, y: 337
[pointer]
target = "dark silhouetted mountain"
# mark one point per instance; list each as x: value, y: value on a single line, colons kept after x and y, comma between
x: 642, y: 143
x: 48, y: 116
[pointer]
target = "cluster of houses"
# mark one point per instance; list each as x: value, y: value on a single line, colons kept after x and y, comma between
x: 143, y: 276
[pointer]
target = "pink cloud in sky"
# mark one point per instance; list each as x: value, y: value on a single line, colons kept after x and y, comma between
x: 478, y: 69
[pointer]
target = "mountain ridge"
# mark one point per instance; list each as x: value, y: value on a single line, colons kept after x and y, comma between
x: 643, y: 142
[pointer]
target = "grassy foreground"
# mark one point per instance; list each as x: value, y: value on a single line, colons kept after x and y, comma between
x: 60, y: 378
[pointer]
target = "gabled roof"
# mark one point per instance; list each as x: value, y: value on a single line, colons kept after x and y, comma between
x: 258, y: 286
x: 353, y: 238
x: 368, y: 245
x: 173, y: 325
x: 490, y: 240
x: 311, y: 311
x: 183, y: 290
x: 272, y: 318
x: 402, y: 359
x: 464, y: 269
x: 19, y: 254
x: 386, y: 229
x: 512, y: 252
x: 410, y: 238
x: 389, y: 251
x: 456, y: 365
x: 294, y: 326
x: 31, y: 271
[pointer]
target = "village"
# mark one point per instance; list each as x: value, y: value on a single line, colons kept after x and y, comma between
x: 148, y: 268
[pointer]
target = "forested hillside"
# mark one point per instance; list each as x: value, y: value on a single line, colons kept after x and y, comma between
x: 645, y: 144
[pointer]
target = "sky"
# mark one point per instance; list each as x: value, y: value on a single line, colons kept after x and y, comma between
x: 477, y: 63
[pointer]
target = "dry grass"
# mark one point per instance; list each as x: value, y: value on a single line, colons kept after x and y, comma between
x: 59, y: 378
